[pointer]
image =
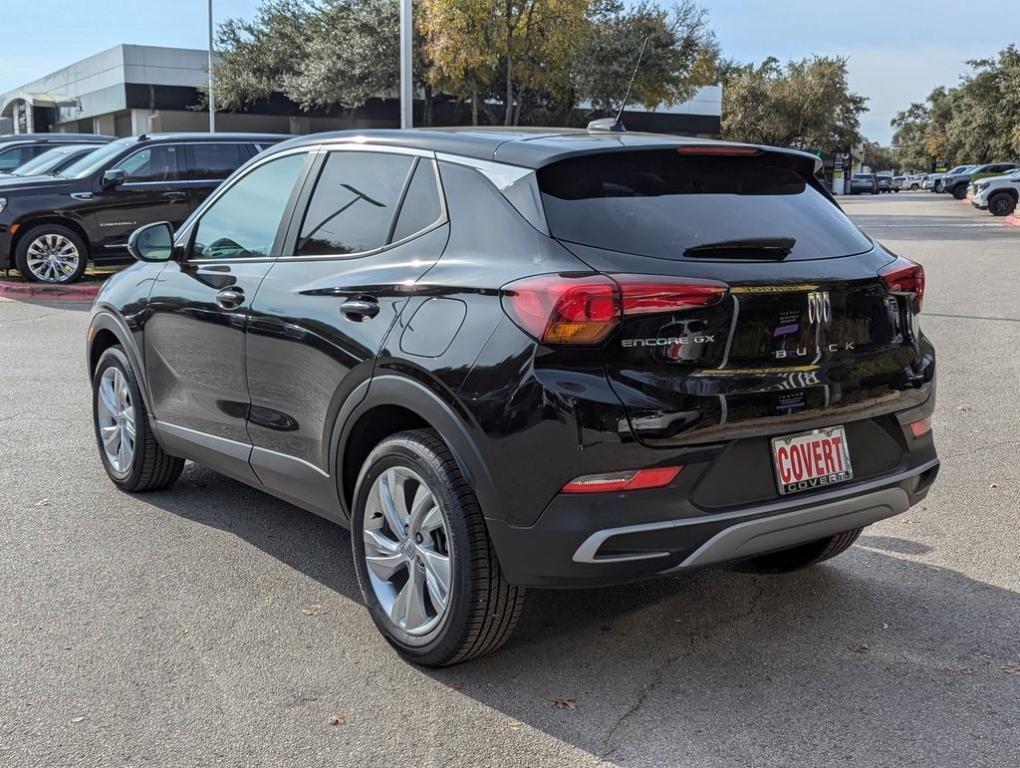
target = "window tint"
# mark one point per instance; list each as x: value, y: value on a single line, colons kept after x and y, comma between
x: 242, y: 222
x: 156, y: 163
x: 658, y: 203
x: 216, y: 161
x: 353, y: 203
x: 421, y: 203
x: 15, y: 156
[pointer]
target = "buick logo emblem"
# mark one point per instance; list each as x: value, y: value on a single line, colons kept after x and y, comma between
x: 819, y: 308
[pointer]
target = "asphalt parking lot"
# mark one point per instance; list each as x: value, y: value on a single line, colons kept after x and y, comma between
x: 213, y: 625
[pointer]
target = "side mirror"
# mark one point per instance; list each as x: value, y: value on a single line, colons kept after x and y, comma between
x: 153, y: 242
x: 113, y: 178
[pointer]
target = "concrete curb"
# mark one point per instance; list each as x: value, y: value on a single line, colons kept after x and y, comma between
x: 14, y: 290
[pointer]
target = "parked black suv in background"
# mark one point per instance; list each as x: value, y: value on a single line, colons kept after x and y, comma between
x: 50, y: 228
x: 518, y: 359
x: 50, y: 162
x: 16, y: 149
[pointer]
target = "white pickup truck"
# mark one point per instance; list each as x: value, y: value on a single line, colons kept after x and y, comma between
x: 997, y: 194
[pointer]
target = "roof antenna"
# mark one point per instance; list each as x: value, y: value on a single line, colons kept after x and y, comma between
x: 615, y: 124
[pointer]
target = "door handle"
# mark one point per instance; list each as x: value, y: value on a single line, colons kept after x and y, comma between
x: 230, y: 298
x: 175, y: 195
x: 363, y: 308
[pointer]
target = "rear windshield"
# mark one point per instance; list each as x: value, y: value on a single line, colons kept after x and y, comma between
x: 658, y: 203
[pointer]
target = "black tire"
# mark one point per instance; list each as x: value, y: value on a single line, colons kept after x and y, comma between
x: 1001, y: 204
x: 150, y: 469
x: 21, y: 254
x: 937, y: 186
x: 914, y: 187
x: 805, y: 555
x: 483, y: 608
x: 959, y: 191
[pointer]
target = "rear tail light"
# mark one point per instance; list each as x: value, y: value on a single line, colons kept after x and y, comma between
x: 905, y: 276
x: 921, y: 427
x: 573, y: 309
x: 632, y: 480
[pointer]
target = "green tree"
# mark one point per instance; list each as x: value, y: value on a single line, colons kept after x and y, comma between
x: 910, y: 143
x: 877, y: 157
x: 351, y: 53
x: 258, y: 55
x: 976, y: 121
x: 680, y: 54
x: 806, y: 104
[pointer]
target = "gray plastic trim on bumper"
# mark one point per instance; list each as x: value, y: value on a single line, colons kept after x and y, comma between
x: 829, y: 514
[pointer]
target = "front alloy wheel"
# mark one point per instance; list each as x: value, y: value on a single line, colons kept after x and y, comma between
x: 115, y: 420
x: 1001, y: 204
x: 132, y: 457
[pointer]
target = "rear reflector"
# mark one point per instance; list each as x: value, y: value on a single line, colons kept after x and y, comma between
x: 633, y: 480
x: 584, y: 309
x: 905, y: 276
x: 919, y: 428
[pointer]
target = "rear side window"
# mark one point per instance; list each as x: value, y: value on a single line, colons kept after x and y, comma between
x: 353, y: 203
x: 421, y: 207
x: 216, y: 161
x: 658, y: 203
x: 152, y: 164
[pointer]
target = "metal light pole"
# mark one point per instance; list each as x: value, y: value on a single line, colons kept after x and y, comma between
x: 406, y: 83
x: 212, y: 97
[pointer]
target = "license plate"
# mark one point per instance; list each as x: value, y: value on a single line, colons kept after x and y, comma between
x: 811, y: 460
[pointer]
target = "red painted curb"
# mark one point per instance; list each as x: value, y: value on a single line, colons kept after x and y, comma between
x: 49, y: 292
x: 1014, y: 220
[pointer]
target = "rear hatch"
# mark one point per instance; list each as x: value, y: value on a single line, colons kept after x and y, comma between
x: 805, y: 331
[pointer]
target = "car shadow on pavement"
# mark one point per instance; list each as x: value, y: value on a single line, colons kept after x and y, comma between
x: 872, y: 659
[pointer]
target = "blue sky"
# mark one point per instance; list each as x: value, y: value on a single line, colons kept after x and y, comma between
x: 899, y: 49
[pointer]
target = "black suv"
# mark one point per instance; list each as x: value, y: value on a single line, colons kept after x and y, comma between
x: 16, y: 149
x: 519, y: 359
x: 51, y: 227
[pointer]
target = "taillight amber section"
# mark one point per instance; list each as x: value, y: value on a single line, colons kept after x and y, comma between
x: 584, y: 309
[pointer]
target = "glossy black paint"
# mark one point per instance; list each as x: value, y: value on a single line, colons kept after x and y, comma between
x: 103, y: 215
x: 288, y: 390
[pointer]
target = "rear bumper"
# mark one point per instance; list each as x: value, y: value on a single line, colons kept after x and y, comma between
x: 601, y: 539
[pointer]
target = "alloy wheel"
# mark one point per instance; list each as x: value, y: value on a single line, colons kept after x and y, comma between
x: 53, y: 258
x: 115, y: 415
x: 1001, y: 206
x: 407, y: 551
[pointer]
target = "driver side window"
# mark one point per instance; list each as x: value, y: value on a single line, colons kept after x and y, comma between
x: 243, y: 221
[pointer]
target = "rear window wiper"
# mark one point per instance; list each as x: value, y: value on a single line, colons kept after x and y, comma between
x: 763, y: 248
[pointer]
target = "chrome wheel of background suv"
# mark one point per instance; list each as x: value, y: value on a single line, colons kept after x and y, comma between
x: 53, y: 258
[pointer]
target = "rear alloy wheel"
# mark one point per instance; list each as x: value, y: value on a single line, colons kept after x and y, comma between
x: 425, y: 564
x: 51, y: 254
x: 959, y: 191
x: 805, y: 555
x: 1001, y: 204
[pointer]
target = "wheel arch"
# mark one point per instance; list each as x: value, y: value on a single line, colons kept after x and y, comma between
x: 107, y: 329
x: 392, y: 403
